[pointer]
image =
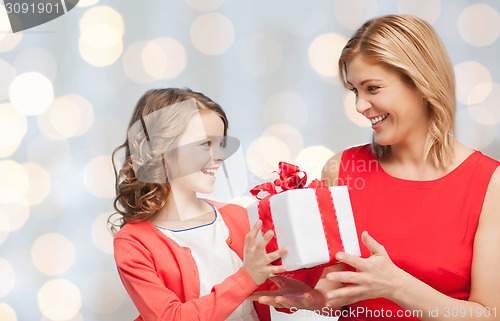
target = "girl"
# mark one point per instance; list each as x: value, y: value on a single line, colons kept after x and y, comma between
x: 181, y: 257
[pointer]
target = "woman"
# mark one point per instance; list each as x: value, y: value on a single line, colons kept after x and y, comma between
x: 430, y: 204
x: 181, y: 257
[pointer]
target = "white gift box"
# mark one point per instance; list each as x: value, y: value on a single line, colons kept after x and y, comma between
x: 298, y: 225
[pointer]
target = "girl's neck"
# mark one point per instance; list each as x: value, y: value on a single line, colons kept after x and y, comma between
x: 182, y: 207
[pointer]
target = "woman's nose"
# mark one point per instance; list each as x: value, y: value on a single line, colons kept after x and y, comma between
x: 362, y: 105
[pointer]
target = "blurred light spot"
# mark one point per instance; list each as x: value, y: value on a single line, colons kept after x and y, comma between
x: 14, y: 216
x: 480, y: 91
x: 102, y: 15
x: 52, y: 253
x: 31, y: 93
x: 36, y: 59
x: 353, y: 13
x: 243, y: 201
x: 99, y: 178
x: 59, y: 300
x: 487, y: 111
x: 472, y: 133
x: 204, y: 5
x: 261, y: 55
x: 54, y: 156
x: 288, y: 135
x: 352, y: 114
x: 479, y: 25
x: 133, y: 63
x: 429, y: 10
x: 286, y: 107
x: 86, y: 3
x: 7, y: 313
x: 212, y: 33
x: 472, y: 80
x: 164, y: 58
x: 482, y: 115
x: 13, y: 128
x: 312, y: 159
x: 14, y: 183
x: 9, y: 150
x: 264, y: 154
x: 7, y: 278
x: 39, y: 187
x: 324, y: 54
x: 103, y: 292
x: 8, y: 74
x: 68, y: 116
x: 101, y: 236
x: 8, y: 40
x: 100, y: 45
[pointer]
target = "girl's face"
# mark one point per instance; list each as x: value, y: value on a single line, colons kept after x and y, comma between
x: 397, y: 110
x: 199, y: 154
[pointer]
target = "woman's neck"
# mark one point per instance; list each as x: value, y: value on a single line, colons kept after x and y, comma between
x: 408, y: 162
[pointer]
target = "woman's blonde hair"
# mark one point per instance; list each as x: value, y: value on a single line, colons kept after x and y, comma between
x: 138, y: 199
x: 411, y: 47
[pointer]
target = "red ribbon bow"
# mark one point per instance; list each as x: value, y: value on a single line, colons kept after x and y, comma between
x: 290, y: 178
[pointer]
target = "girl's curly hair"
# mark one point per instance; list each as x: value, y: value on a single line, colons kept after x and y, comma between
x: 138, y: 199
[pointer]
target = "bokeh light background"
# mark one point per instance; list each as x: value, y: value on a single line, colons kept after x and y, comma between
x: 68, y: 87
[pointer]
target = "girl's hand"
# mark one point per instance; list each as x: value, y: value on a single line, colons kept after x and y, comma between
x: 291, y: 294
x: 256, y: 261
x: 375, y: 277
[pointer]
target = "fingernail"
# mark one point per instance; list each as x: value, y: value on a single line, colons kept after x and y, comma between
x: 330, y: 277
x: 329, y: 295
x: 339, y: 256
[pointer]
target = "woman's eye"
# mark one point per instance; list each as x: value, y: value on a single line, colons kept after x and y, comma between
x: 373, y: 88
x: 354, y: 90
x: 207, y: 144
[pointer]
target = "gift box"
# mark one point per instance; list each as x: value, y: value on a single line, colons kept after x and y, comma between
x: 314, y: 222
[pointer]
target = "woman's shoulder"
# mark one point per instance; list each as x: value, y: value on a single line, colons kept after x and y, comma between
x: 331, y: 169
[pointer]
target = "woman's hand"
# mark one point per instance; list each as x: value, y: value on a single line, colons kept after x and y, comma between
x: 291, y: 293
x: 256, y: 261
x: 375, y: 277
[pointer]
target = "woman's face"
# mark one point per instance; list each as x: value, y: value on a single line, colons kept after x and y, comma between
x: 199, y: 153
x: 397, y: 110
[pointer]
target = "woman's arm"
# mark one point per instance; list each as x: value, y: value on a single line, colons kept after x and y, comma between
x: 377, y: 276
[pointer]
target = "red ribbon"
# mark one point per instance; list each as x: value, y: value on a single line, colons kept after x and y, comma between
x: 290, y: 178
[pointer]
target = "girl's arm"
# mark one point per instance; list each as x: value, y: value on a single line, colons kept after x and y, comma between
x: 377, y: 276
x: 156, y: 302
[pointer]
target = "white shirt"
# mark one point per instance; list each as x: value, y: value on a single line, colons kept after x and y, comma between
x: 214, y: 258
